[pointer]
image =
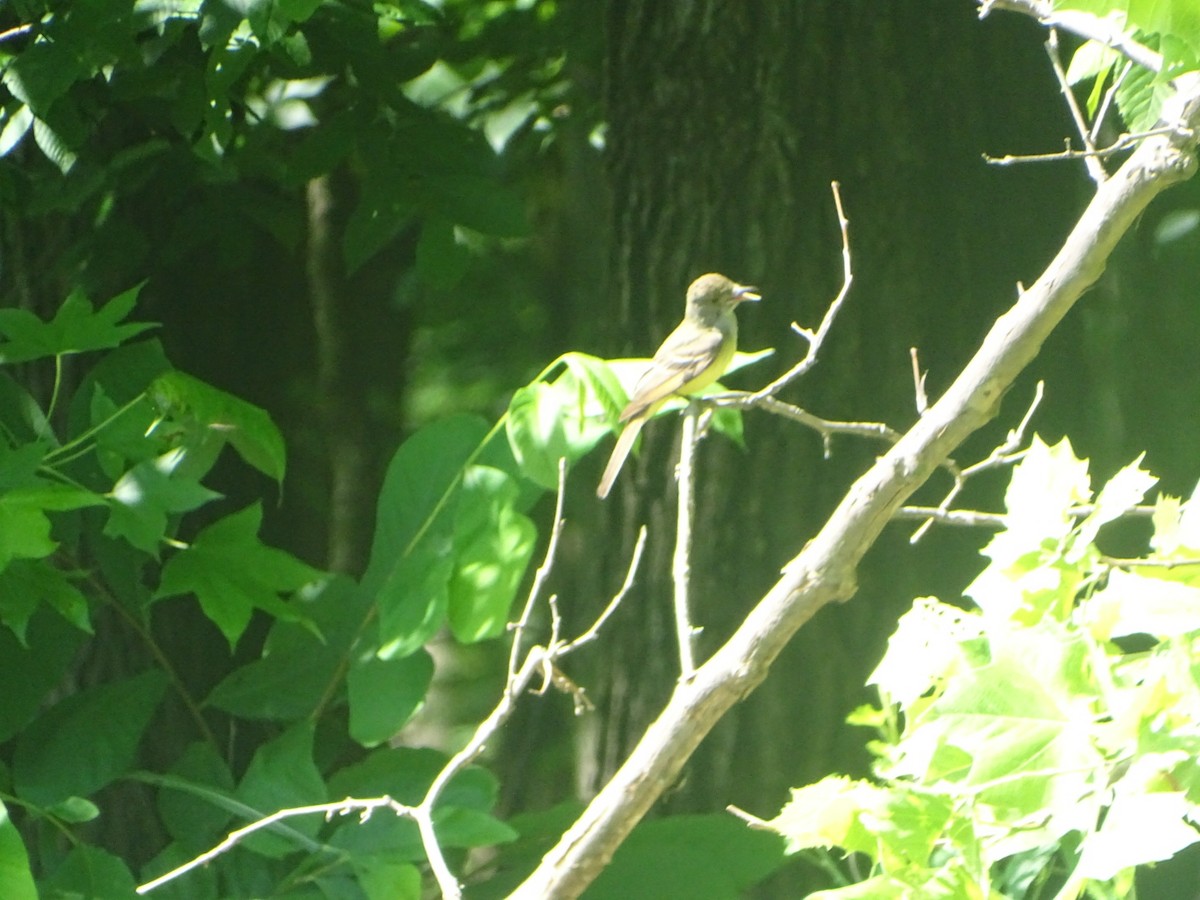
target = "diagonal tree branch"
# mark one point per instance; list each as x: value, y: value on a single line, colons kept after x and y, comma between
x: 824, y: 571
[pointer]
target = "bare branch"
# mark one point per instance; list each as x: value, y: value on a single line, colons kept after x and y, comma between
x: 816, y: 338
x: 634, y: 562
x: 1007, y: 453
x: 1095, y: 169
x: 918, y: 382
x: 1122, y: 143
x: 681, y: 568
x: 543, y: 573
x: 340, y: 808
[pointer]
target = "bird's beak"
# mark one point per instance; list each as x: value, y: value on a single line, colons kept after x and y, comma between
x: 743, y: 292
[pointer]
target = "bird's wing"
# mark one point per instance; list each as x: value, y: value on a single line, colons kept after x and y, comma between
x: 684, y: 355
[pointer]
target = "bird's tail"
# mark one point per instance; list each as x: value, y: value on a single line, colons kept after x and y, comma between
x: 624, y: 444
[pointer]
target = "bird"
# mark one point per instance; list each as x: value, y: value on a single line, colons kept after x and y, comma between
x: 692, y: 357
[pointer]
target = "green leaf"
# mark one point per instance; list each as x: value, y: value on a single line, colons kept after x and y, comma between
x: 48, y: 766
x: 384, y: 694
x: 383, y: 880
x: 146, y: 495
x: 75, y: 328
x: 1138, y: 829
x: 245, y: 426
x: 56, y: 146
x: 195, y: 815
x: 1011, y: 731
x: 29, y: 670
x: 297, y: 667
x: 492, y: 546
x: 25, y: 585
x: 93, y: 873
x: 280, y: 776
x: 1123, y: 492
x: 42, y: 73
x: 678, y: 857
x: 1133, y: 603
x: 458, y: 827
x: 232, y: 573
x: 411, y: 555
x: 15, y: 129
x: 16, y: 881
x: 564, y: 418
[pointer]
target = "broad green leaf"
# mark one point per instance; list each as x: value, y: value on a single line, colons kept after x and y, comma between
x: 824, y: 814
x: 677, y: 857
x: 282, y: 775
x: 145, y: 496
x: 75, y: 328
x: 925, y: 651
x: 1045, y: 485
x: 25, y: 585
x: 415, y: 597
x: 492, y: 546
x: 245, y: 426
x: 384, y: 694
x: 405, y: 774
x: 15, y: 128
x: 29, y: 670
x: 55, y: 145
x: 566, y: 417
x: 1139, y: 829
x: 1134, y: 603
x: 93, y: 873
x: 41, y: 73
x: 459, y: 827
x: 16, y: 881
x: 232, y: 573
x: 1015, y: 731
x: 383, y: 880
x: 48, y: 765
x: 24, y: 525
x: 196, y: 815
x: 293, y: 675
x: 412, y: 552
x: 1123, y: 492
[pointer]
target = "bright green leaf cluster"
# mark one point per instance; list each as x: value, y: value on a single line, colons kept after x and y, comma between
x: 1171, y: 27
x: 1051, y: 730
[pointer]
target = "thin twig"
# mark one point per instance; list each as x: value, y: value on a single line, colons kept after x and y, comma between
x: 543, y: 573
x: 1126, y: 141
x: 1007, y: 453
x: 918, y: 382
x: 1109, y: 96
x: 816, y: 338
x: 635, y: 562
x: 1095, y: 169
x: 681, y: 560
x: 341, y: 807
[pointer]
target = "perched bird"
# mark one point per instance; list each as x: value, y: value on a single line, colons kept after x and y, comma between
x: 692, y: 357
